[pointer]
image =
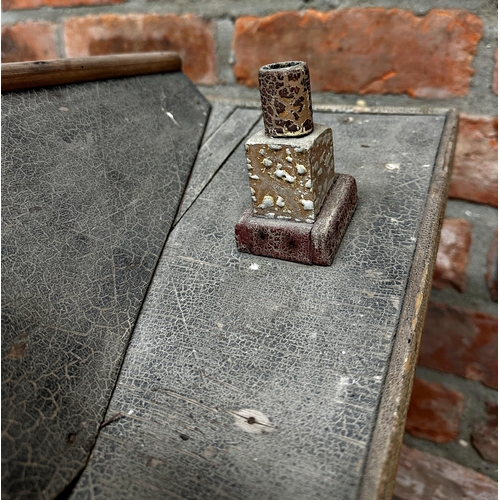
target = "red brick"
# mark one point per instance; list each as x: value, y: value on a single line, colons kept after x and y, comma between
x: 30, y: 41
x: 485, y: 434
x: 190, y: 36
x: 36, y: 4
x: 21, y: 4
x: 453, y: 255
x: 461, y: 342
x: 492, y: 269
x: 77, y: 3
x: 434, y: 412
x: 475, y: 170
x: 422, y: 476
x: 365, y: 50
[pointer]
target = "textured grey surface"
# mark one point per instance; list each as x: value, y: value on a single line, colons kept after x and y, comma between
x: 216, y: 149
x: 217, y: 117
x: 223, y: 336
x: 379, y: 475
x: 92, y: 175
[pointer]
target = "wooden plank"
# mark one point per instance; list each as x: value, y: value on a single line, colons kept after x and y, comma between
x: 254, y: 102
x: 218, y: 114
x: 304, y: 350
x: 214, y: 152
x: 381, y: 466
x: 92, y: 175
x: 33, y: 74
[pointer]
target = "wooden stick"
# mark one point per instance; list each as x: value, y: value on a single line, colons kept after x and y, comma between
x: 28, y: 75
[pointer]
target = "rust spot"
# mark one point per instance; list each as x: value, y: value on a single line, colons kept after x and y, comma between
x: 17, y: 351
x: 280, y: 107
x: 308, y: 124
x: 154, y: 462
x: 251, y: 420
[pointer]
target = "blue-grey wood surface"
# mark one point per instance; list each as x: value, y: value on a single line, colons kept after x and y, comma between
x: 92, y: 175
x: 217, y: 145
x: 223, y: 337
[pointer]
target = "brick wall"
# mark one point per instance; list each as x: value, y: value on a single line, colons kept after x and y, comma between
x: 385, y: 52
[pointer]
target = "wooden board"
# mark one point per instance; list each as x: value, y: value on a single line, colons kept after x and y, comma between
x: 249, y: 377
x: 92, y: 175
x: 34, y: 74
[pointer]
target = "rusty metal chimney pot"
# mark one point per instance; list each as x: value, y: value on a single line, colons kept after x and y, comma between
x: 285, y: 92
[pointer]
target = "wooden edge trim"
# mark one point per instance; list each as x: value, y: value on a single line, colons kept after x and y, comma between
x: 380, y: 468
x: 33, y: 74
x: 332, y: 108
x: 380, y: 110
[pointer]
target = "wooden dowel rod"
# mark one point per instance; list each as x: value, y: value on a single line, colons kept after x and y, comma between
x: 28, y: 75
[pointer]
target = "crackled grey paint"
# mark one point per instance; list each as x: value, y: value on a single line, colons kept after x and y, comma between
x: 215, y: 150
x: 303, y: 349
x: 92, y: 175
